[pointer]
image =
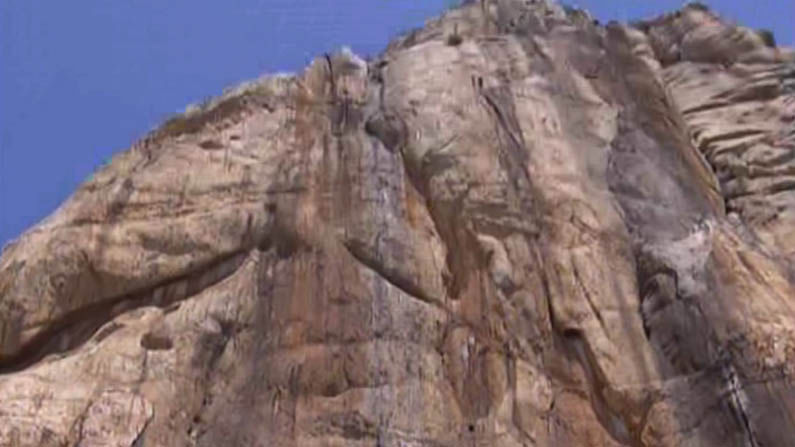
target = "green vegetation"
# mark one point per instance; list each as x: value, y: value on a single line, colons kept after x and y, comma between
x: 698, y: 5
x: 455, y: 38
x: 450, y: 4
x: 767, y: 37
x: 189, y: 123
x: 105, y: 163
x: 229, y: 105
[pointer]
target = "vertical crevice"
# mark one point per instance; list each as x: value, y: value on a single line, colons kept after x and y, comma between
x: 574, y: 342
x: 737, y: 402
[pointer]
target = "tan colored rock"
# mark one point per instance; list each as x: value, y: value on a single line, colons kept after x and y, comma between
x: 544, y: 233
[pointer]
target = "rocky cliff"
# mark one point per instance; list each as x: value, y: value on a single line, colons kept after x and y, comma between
x: 515, y: 227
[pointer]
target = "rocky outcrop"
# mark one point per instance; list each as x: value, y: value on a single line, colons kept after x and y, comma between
x: 516, y: 227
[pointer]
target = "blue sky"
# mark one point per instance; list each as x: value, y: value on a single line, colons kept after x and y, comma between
x: 81, y: 80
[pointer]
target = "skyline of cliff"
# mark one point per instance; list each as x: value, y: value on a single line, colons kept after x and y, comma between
x: 100, y: 76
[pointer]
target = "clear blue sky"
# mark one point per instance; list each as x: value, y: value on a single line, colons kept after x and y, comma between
x: 81, y: 80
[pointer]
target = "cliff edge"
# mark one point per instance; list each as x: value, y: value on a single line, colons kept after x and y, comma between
x: 515, y: 227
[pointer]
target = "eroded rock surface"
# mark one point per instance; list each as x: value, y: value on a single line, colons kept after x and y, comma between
x: 516, y: 227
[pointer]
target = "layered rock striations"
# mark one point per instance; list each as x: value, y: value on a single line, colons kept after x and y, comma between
x: 515, y: 227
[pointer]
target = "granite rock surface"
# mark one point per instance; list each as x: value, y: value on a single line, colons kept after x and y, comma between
x: 515, y: 227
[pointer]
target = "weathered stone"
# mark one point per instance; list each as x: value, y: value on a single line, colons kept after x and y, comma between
x: 551, y: 233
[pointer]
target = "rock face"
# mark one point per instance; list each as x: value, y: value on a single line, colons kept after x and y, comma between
x: 516, y: 227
